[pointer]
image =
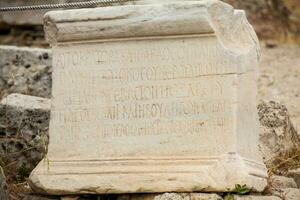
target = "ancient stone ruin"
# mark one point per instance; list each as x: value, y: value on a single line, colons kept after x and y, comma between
x: 150, y: 100
x: 157, y: 76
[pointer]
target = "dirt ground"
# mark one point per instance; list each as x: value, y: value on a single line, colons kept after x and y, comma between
x: 280, y: 78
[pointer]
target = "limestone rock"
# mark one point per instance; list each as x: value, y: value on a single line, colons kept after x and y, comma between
x: 295, y: 174
x: 25, y: 70
x: 4, y: 194
x: 70, y: 198
x: 23, y: 115
x: 282, y: 182
x: 277, y: 134
x: 250, y: 197
x: 24, y: 122
x: 277, y: 184
x: 34, y: 197
x: 171, y: 196
x: 291, y: 194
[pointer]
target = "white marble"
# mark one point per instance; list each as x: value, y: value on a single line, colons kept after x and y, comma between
x: 152, y: 98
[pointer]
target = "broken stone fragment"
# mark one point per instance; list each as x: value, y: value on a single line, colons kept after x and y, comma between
x: 171, y: 196
x: 291, y: 194
x: 25, y: 70
x: 282, y: 182
x: 295, y: 174
x: 33, y: 197
x: 251, y: 197
x: 24, y: 122
x: 277, y: 184
x: 277, y: 133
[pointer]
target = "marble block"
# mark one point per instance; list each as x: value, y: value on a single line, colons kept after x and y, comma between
x: 157, y: 96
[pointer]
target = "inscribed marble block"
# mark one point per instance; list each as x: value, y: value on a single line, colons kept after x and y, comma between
x: 158, y: 96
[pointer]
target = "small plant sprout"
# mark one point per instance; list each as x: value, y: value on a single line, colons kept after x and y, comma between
x: 242, y: 189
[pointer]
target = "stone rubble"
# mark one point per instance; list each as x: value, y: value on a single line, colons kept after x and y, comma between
x: 24, y: 122
x: 34, y: 197
x: 277, y: 184
x: 251, y: 197
x: 171, y: 196
x: 70, y: 198
x: 295, y: 174
x: 282, y: 182
x: 278, y: 134
x: 25, y: 70
x: 290, y: 194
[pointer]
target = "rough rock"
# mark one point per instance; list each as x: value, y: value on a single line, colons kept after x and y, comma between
x: 282, y: 182
x: 34, y: 197
x: 70, y: 198
x: 24, y: 122
x: 250, y: 197
x: 277, y: 184
x: 25, y: 70
x: 290, y: 194
x: 295, y: 174
x: 277, y: 135
x: 171, y: 196
x: 4, y: 194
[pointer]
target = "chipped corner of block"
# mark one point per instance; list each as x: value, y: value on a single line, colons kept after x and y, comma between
x: 51, y: 29
x: 210, y: 16
x: 233, y: 28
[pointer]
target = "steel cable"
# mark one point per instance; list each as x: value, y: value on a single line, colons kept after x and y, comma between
x: 86, y: 4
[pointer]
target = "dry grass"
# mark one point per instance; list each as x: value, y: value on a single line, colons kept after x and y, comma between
x: 282, y: 163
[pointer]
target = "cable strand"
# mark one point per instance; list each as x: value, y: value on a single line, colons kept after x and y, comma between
x: 86, y: 4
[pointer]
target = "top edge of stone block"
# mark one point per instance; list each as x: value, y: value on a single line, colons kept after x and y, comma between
x: 17, y: 48
x: 26, y: 101
x: 151, y: 19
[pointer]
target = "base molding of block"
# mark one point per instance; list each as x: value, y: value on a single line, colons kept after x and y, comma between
x: 114, y: 176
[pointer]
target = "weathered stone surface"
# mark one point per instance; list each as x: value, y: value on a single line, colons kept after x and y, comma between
x: 4, y: 194
x: 295, y: 174
x: 277, y: 134
x: 24, y: 115
x: 24, y: 122
x: 277, y: 184
x: 157, y: 76
x: 171, y: 196
x: 25, y: 70
x: 36, y: 197
x: 70, y: 198
x: 250, y: 197
x: 291, y: 194
x: 282, y: 182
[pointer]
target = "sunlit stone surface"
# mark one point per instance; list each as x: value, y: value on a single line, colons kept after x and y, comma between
x: 154, y: 97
